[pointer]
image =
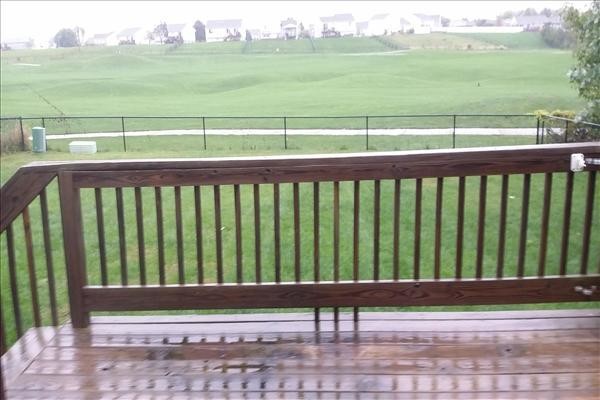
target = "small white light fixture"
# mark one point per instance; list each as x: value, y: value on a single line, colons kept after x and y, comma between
x: 577, y: 162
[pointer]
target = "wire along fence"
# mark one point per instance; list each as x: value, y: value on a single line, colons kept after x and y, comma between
x: 370, y: 132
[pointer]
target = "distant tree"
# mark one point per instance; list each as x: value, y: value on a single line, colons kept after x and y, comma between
x: 445, y: 21
x: 585, y: 26
x: 547, y: 12
x: 200, y: 29
x: 161, y: 32
x: 66, y: 38
x: 150, y: 36
x: 248, y: 36
x: 79, y: 32
x: 529, y: 12
x: 506, y: 15
x: 557, y: 37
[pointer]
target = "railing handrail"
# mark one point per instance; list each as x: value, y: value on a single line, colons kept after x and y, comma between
x: 571, y: 120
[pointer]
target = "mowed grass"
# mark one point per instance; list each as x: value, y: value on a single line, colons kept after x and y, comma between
x: 348, y: 76
x: 227, y: 229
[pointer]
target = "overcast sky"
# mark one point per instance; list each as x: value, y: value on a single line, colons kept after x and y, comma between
x: 42, y: 19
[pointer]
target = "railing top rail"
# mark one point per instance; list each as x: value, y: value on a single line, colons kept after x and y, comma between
x: 571, y: 120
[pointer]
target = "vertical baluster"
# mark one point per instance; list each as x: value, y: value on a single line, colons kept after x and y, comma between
x: 376, y: 227
x: 564, y: 248
x: 336, y: 244
x: 35, y: 304
x: 2, y: 347
x: 316, y: 246
x: 238, y: 233
x: 396, y: 256
x: 438, y: 227
x: 257, y: 252
x: 218, y: 237
x: 199, y: 235
x: 297, y: 249
x: 49, y: 260
x: 12, y: 276
x: 587, y: 222
x: 101, y: 239
x: 481, y: 227
x: 139, y: 217
x: 502, y: 226
x: 160, y: 236
x: 122, y: 241
x: 460, y: 227
x: 417, y: 244
x: 179, y: 234
x: 356, y: 232
x: 544, y: 227
x: 524, y: 221
x: 277, y: 233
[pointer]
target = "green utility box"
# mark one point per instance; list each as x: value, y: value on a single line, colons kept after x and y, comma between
x: 38, y: 135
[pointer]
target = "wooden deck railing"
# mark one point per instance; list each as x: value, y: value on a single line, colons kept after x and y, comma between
x: 460, y: 227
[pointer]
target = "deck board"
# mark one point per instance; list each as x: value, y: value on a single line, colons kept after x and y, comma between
x: 507, y: 355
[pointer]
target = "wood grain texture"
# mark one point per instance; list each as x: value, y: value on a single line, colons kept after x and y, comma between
x: 339, y: 294
x: 33, y: 282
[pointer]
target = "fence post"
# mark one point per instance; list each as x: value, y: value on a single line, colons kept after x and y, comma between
x: 543, y: 130
x: 204, y: 131
x: 566, y: 129
x: 43, y: 122
x: 367, y: 131
x: 285, y: 133
x: 454, y: 131
x: 22, y: 134
x: 123, y: 130
x: 537, y: 131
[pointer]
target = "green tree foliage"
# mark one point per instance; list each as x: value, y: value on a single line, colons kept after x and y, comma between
x: 200, y: 34
x: 585, y: 26
x: 161, y: 32
x: 558, y: 38
x: 66, y: 38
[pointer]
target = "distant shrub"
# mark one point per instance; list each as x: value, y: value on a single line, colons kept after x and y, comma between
x: 556, y: 129
x: 10, y: 138
x: 557, y: 38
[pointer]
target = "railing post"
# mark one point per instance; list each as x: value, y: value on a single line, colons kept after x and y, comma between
x: 566, y: 130
x: 123, y: 130
x: 454, y: 131
x: 43, y: 122
x: 285, y: 133
x: 367, y: 131
x: 537, y: 131
x: 543, y: 130
x: 204, y: 132
x: 70, y: 205
x: 22, y: 134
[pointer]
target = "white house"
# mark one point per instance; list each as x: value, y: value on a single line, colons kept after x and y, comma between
x: 382, y: 24
x: 289, y: 29
x: 132, y: 36
x: 537, y: 22
x: 423, y: 23
x: 342, y: 23
x: 218, y: 30
x: 186, y: 31
x: 18, y: 44
x: 102, y: 39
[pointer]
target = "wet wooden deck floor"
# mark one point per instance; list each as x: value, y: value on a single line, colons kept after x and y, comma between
x: 493, y: 355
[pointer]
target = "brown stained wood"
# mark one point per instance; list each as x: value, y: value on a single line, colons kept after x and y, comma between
x: 16, y: 360
x: 343, y: 294
x: 438, y: 229
x: 12, y: 276
x: 587, y: 222
x: 35, y: 302
x: 199, y: 235
x: 376, y: 227
x: 122, y: 238
x: 356, y: 233
x: 101, y: 238
x: 316, y: 233
x: 460, y: 228
x: 481, y: 227
x: 502, y: 226
x: 276, y: 232
x: 544, y: 224
x: 417, y: 233
x: 139, y: 218
x: 70, y: 206
x: 160, y: 238
x: 49, y: 258
x: 218, y: 236
x: 564, y: 247
x: 257, y: 245
x: 396, y: 240
x: 20, y: 190
x: 336, y: 231
x: 179, y: 235
x: 340, y: 167
x: 524, y: 225
x: 238, y: 234
x: 297, y: 249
